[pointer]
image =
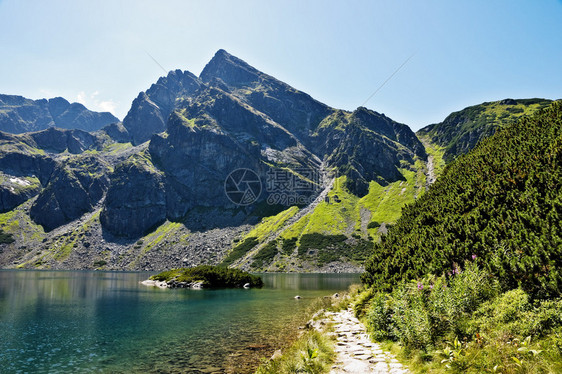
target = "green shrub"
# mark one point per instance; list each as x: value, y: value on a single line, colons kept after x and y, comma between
x: 331, y: 248
x: 379, y: 317
x: 211, y: 276
x: 362, y: 302
x: 240, y: 250
x: 265, y: 255
x: 100, y: 263
x: 419, y: 314
x: 500, y: 203
x: 167, y: 275
x: 289, y: 245
x: 517, y: 316
x: 411, y: 319
x: 6, y: 238
x: 318, y: 241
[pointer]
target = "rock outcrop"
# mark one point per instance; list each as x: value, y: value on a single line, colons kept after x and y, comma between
x: 365, y: 145
x: 136, y: 198
x: 74, y: 188
x: 150, y: 110
x: 14, y: 190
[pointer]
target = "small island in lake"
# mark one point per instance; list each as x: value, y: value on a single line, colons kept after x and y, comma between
x: 204, y: 276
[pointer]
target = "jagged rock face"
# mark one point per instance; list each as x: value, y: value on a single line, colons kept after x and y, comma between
x: 365, y: 145
x: 150, y: 110
x: 15, y: 190
x: 208, y: 137
x: 136, y: 199
x: 74, y: 188
x: 197, y: 157
x: 393, y: 130
x: 18, y: 115
x: 206, y: 141
x: 370, y: 147
x: 216, y: 108
x: 30, y: 154
x: 22, y: 164
x: 144, y: 119
x: 237, y: 117
x: 295, y: 110
x: 66, y: 189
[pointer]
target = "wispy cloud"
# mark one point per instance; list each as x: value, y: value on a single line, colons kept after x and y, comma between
x: 107, y: 106
x: 93, y: 102
x: 81, y: 98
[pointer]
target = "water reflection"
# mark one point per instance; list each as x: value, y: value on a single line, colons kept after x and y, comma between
x: 307, y: 281
x: 60, y: 321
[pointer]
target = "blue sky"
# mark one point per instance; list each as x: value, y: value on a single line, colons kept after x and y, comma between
x: 464, y: 52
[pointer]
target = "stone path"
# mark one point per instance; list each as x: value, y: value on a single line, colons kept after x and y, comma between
x: 355, y: 351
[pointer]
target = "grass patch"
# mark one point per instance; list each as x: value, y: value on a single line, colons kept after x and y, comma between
x: 18, y: 223
x: 116, y: 148
x: 330, y: 218
x: 438, y: 153
x: 386, y: 202
x: 63, y: 247
x: 311, y: 353
x: 166, y: 230
x: 271, y: 224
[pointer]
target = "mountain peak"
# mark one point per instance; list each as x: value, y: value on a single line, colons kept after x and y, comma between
x: 222, y: 52
x: 230, y: 69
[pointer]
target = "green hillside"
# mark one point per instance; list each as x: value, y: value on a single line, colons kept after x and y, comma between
x: 500, y: 204
x: 343, y: 227
x: 462, y: 130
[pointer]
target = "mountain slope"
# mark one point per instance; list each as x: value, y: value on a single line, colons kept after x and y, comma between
x: 500, y: 204
x: 19, y: 115
x: 217, y: 128
x: 462, y: 130
x: 168, y: 200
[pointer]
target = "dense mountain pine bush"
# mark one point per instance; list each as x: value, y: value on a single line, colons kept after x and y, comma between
x: 499, y: 205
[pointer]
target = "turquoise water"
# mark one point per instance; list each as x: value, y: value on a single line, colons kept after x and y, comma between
x: 86, y: 321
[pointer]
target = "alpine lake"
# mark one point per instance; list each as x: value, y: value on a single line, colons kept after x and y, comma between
x: 107, y: 322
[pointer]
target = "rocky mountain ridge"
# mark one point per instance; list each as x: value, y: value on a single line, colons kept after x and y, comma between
x: 19, y: 114
x: 160, y: 189
x: 462, y: 130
